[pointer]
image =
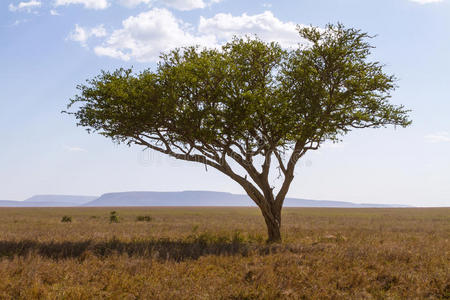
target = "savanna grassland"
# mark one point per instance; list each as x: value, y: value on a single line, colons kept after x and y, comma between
x: 220, y: 253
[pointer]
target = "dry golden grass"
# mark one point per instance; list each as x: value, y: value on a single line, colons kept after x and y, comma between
x: 219, y: 253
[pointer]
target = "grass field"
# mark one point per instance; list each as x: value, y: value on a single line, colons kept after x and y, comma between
x: 219, y: 253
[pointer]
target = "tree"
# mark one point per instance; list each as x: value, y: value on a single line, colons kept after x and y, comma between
x: 250, y: 103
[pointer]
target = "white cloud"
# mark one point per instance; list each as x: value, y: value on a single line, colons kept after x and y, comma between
x: 438, y: 137
x: 18, y: 22
x: 134, y: 3
x: 82, y: 34
x: 74, y: 149
x: 53, y: 12
x: 185, y: 4
x: 425, y: 1
x: 27, y: 6
x: 145, y: 36
x: 89, y: 4
x: 111, y: 52
x: 98, y: 31
x: 265, y: 25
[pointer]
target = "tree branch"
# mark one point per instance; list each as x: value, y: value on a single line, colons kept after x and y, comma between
x: 280, y: 162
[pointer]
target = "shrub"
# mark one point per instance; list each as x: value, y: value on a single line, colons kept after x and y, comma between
x: 237, y: 237
x: 143, y: 218
x: 66, y: 219
x: 113, y: 218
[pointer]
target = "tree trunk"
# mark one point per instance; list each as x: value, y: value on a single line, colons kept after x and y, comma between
x: 273, y: 222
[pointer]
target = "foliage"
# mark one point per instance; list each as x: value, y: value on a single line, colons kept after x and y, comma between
x: 143, y: 218
x: 66, y: 219
x: 246, y: 102
x: 113, y: 218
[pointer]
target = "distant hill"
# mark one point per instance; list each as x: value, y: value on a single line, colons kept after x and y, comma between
x: 205, y: 198
x: 4, y: 203
x: 70, y: 199
x: 11, y: 203
x: 185, y: 198
x: 49, y: 201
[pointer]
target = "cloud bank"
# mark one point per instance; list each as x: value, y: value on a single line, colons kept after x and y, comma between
x: 145, y: 36
x: 82, y: 34
x: 25, y: 6
x: 89, y: 4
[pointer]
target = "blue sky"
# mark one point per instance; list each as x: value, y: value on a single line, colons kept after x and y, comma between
x: 50, y: 46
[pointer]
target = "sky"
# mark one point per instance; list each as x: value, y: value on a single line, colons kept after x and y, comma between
x: 48, y: 47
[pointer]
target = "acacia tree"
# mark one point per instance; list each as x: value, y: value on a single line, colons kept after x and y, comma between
x: 247, y: 108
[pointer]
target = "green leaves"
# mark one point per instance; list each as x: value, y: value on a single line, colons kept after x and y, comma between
x: 334, y: 88
x: 248, y: 94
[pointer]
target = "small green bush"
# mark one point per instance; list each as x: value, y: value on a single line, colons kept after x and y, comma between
x: 66, y: 219
x: 237, y: 237
x: 113, y: 218
x: 143, y: 218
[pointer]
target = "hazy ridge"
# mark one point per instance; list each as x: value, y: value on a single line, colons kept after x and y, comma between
x: 184, y: 198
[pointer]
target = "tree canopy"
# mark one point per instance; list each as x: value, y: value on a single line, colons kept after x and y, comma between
x: 248, y: 101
